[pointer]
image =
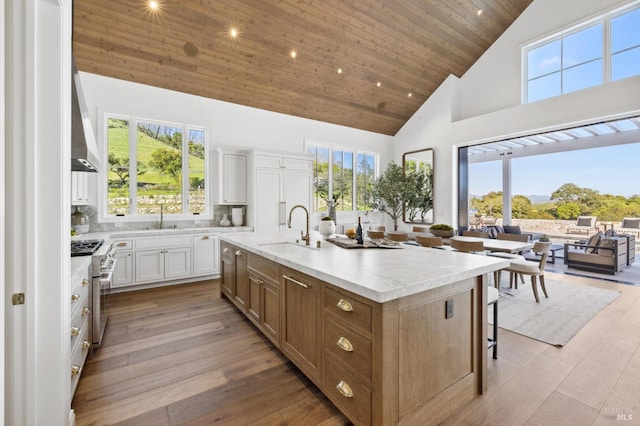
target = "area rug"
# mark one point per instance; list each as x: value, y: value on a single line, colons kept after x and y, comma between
x: 555, y: 320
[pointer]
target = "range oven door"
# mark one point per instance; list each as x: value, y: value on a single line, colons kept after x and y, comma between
x: 101, y: 293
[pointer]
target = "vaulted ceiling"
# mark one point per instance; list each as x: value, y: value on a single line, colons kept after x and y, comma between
x: 367, y: 64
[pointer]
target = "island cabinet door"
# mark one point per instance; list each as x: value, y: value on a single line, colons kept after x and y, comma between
x: 301, y: 337
x: 242, y: 279
x: 228, y: 285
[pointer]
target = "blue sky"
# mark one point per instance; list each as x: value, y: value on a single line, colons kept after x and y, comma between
x: 609, y: 170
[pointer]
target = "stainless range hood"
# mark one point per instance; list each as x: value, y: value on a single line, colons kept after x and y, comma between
x: 84, y: 149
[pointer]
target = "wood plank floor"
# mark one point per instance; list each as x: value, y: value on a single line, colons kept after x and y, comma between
x: 181, y: 355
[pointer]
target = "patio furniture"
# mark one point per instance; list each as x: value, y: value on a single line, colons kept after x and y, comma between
x: 477, y: 234
x: 399, y: 236
x: 598, y: 254
x: 584, y: 224
x: 535, y: 271
x: 630, y: 225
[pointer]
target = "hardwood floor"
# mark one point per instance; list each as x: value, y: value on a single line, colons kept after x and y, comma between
x: 181, y: 355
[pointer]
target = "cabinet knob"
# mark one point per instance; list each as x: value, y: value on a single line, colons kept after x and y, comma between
x: 85, y: 311
x: 86, y: 345
x: 85, y: 282
x: 344, y: 305
x: 238, y: 253
x: 75, y: 297
x: 206, y: 237
x: 75, y: 331
x: 75, y: 370
x: 345, y: 344
x: 226, y: 250
x: 344, y: 389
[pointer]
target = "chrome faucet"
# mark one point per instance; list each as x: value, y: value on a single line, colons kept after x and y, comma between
x: 306, y: 238
x: 161, y: 217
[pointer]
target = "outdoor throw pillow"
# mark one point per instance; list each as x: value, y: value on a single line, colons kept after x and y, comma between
x: 630, y: 223
x: 512, y: 229
x: 606, y: 243
x: 593, y: 241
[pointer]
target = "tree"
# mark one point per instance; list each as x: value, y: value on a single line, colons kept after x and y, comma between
x: 418, y: 193
x: 120, y: 166
x: 586, y: 199
x: 388, y: 193
x: 568, y: 211
x: 521, y: 207
x: 168, y: 162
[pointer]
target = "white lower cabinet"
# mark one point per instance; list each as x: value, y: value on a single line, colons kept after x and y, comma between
x: 146, y: 260
x: 159, y: 265
x: 206, y: 260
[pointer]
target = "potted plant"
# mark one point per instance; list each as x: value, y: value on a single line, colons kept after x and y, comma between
x: 441, y: 230
x: 327, y: 226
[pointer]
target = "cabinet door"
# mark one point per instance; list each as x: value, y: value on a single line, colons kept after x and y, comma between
x: 301, y: 336
x: 79, y: 188
x: 254, y: 305
x: 234, y: 179
x: 149, y: 265
x: 228, y: 284
x: 177, y: 262
x: 205, y: 255
x: 242, y: 279
x: 123, y: 274
x: 270, y: 293
x: 296, y: 189
x: 269, y: 209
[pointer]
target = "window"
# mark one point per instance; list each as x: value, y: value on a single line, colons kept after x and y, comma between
x: 579, y: 60
x: 334, y: 178
x: 152, y: 166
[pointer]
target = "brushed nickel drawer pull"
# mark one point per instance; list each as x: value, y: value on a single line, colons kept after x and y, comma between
x: 75, y: 297
x: 122, y: 244
x: 344, y: 389
x: 345, y: 344
x: 344, y: 305
x: 75, y: 370
x: 75, y: 331
x: 206, y: 237
x: 286, y: 277
x: 85, y: 282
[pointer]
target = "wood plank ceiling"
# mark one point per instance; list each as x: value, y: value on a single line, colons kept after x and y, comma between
x: 391, y: 54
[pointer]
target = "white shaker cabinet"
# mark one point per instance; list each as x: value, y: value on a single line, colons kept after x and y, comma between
x: 162, y: 258
x: 205, y: 254
x: 230, y: 171
x: 81, y: 188
x: 277, y: 183
x: 123, y: 273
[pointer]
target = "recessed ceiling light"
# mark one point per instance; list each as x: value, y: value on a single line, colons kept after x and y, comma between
x: 410, y: 94
x: 479, y: 12
x: 233, y: 32
x: 293, y: 54
x: 378, y: 84
x: 339, y: 70
x: 153, y: 5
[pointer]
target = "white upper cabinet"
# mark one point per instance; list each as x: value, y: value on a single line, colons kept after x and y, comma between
x: 81, y: 188
x: 230, y: 177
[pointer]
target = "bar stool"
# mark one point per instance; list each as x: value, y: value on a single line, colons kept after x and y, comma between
x: 375, y: 235
x: 428, y: 241
x: 492, y: 299
x: 398, y: 236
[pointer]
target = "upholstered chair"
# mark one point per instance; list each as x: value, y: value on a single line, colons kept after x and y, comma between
x: 477, y: 234
x: 535, y: 270
x: 428, y: 241
x: 375, y: 235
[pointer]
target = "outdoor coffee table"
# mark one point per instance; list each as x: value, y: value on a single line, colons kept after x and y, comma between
x: 552, y: 250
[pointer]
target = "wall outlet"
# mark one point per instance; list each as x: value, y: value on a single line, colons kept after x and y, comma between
x: 117, y: 224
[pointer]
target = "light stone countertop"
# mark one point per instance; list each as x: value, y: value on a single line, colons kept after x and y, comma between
x: 79, y: 268
x: 377, y: 274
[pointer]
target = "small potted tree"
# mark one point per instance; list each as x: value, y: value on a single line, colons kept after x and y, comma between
x: 441, y: 230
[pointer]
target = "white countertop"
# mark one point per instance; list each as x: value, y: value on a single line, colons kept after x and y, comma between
x: 79, y: 268
x: 378, y: 274
x: 112, y: 235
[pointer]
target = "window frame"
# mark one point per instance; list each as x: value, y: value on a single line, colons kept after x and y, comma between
x: 355, y: 152
x: 605, y: 20
x: 103, y: 174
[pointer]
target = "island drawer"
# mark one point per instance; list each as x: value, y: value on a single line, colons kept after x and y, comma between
x: 352, y: 311
x: 349, y: 347
x: 265, y: 267
x: 350, y: 395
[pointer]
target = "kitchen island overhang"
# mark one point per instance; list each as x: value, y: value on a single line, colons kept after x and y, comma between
x: 370, y: 327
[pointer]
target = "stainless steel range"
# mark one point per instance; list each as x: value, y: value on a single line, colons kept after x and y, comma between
x: 103, y: 263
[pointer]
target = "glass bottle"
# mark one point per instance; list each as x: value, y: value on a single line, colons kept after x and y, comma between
x: 359, y: 232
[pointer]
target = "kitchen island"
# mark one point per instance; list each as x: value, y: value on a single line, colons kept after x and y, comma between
x: 390, y: 336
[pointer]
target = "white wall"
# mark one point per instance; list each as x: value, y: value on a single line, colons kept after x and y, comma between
x: 231, y: 124
x: 484, y: 104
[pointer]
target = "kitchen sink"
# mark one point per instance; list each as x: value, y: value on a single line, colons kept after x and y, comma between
x: 287, y: 246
